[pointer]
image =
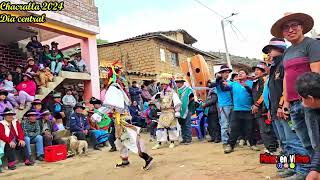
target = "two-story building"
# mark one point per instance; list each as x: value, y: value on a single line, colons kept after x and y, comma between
x: 148, y: 55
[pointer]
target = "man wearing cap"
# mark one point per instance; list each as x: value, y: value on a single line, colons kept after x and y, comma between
x: 260, y: 111
x: 26, y: 90
x: 106, y: 123
x: 32, y: 134
x: 48, y: 130
x: 303, y: 56
x: 186, y: 96
x: 12, y: 139
x: 225, y: 103
x: 80, y: 127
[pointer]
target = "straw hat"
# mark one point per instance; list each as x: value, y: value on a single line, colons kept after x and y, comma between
x: 179, y: 78
x: 305, y: 20
x: 165, y: 78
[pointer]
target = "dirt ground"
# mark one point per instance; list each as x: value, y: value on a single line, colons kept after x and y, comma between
x: 200, y: 161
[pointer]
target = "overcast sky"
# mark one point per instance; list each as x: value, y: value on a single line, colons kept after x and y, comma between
x: 121, y: 19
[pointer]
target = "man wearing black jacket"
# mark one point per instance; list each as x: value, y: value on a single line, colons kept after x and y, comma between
x: 289, y: 141
x: 210, y: 106
x: 260, y: 111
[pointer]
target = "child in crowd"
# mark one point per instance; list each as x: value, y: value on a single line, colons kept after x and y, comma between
x: 8, y: 84
x: 80, y: 63
x: 17, y: 75
x: 308, y: 87
x: 57, y: 106
x: 59, y: 122
x: 68, y: 103
x: 31, y: 67
x: 153, y: 116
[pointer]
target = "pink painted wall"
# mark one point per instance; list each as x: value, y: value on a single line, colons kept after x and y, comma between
x: 64, y: 41
x: 89, y: 53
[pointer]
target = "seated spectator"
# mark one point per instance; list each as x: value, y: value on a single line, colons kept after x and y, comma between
x: 34, y: 46
x: 56, y: 62
x: 46, y: 54
x: 67, y: 65
x: 3, y: 102
x: 59, y: 122
x: 105, y: 124
x: 26, y: 90
x: 3, y: 72
x: 57, y: 106
x: 146, y: 97
x: 17, y: 75
x: 43, y: 77
x: 31, y: 67
x: 136, y: 115
x: 32, y: 134
x: 48, y: 130
x: 80, y: 63
x: 68, y: 103
x: 8, y: 86
x: 37, y: 107
x: 12, y: 139
x: 54, y: 47
x: 79, y: 126
x: 101, y: 135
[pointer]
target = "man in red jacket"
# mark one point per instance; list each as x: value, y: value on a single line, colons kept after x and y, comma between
x: 12, y: 138
x: 26, y: 90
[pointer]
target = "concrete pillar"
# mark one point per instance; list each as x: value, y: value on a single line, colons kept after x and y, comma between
x: 89, y: 53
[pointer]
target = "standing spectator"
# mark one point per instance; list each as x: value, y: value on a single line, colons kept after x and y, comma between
x: 187, y: 97
x: 48, y: 130
x: 79, y: 126
x: 34, y: 46
x: 242, y: 117
x: 26, y: 90
x: 211, y: 108
x: 68, y: 102
x: 225, y: 103
x: 12, y: 139
x: 3, y: 102
x: 31, y: 67
x: 302, y: 56
x: 3, y: 72
x: 268, y: 136
x: 135, y: 93
x: 32, y: 134
x: 153, y: 116
x: 146, y: 97
x: 56, y: 62
x: 80, y: 63
x: 152, y: 88
x: 17, y: 75
x: 57, y: 107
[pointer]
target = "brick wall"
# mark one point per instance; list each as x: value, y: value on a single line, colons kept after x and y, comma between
x: 144, y: 56
x: 82, y: 10
x: 10, y: 56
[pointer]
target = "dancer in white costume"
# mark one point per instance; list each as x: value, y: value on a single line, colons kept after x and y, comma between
x: 170, y: 106
x: 128, y: 138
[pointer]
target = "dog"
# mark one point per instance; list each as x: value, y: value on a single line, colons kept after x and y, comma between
x: 78, y: 147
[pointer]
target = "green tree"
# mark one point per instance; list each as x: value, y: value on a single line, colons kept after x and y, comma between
x: 101, y: 41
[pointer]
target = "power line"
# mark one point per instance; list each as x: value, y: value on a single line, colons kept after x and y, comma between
x: 215, y: 12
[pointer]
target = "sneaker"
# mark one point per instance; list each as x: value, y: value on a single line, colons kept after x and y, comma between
x: 183, y: 142
x: 28, y: 162
x: 228, y: 149
x: 217, y: 141
x: 148, y: 164
x: 286, y: 173
x: 122, y: 164
x: 171, y: 145
x: 241, y: 143
x: 157, y: 146
x: 40, y: 158
x: 255, y: 148
x: 211, y: 140
x: 113, y: 149
x: 296, y: 177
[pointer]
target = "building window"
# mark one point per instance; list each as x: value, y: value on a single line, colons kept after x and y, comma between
x: 162, y: 55
x: 174, y: 59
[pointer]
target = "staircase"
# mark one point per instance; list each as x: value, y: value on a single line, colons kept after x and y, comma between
x: 57, y: 80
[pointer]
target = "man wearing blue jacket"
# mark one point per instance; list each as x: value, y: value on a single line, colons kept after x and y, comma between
x: 80, y: 127
x: 241, y: 117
